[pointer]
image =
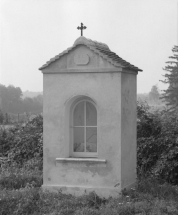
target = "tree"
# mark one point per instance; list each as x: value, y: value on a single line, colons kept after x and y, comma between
x: 154, y: 94
x: 171, y: 77
x: 1, y: 117
x: 11, y: 101
x: 10, y: 98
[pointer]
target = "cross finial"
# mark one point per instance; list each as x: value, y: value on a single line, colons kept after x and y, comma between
x: 81, y: 28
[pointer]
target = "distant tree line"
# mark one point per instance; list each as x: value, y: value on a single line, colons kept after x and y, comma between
x: 152, y: 98
x: 11, y: 102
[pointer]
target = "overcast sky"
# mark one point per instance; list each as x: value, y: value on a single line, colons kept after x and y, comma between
x: 142, y: 32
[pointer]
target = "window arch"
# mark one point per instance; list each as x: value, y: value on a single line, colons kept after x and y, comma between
x: 84, y: 129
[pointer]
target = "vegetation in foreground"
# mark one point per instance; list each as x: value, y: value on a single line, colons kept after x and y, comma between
x: 20, y: 193
x: 155, y: 193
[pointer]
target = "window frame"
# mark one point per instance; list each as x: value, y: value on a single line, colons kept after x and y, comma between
x: 82, y: 154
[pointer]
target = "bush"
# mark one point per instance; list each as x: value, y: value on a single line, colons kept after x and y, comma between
x: 157, y: 144
x: 23, y: 143
x: 148, y: 123
x: 6, y: 140
x: 19, y: 202
x: 22, y: 146
x: 12, y: 176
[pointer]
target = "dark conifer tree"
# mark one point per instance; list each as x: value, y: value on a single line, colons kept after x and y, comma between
x: 171, y: 77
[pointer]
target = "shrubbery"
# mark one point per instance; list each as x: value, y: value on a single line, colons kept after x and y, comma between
x: 12, y: 176
x: 23, y: 148
x: 157, y: 144
x: 23, y: 143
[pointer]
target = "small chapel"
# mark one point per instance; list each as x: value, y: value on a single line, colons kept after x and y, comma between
x: 89, y: 120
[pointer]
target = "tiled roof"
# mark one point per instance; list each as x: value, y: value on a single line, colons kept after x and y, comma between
x: 99, y: 48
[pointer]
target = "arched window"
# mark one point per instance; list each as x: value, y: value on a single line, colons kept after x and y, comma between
x: 84, y: 129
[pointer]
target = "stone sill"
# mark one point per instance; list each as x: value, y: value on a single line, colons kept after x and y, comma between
x: 86, y: 160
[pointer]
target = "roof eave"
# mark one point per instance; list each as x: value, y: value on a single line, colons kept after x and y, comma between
x: 133, y: 69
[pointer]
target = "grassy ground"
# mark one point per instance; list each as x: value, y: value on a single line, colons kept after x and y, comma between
x: 29, y: 200
x: 20, y: 193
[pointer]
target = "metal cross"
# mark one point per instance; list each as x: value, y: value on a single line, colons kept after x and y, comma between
x: 81, y: 28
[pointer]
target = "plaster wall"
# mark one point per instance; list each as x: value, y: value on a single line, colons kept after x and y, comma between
x: 128, y: 129
x: 58, y: 91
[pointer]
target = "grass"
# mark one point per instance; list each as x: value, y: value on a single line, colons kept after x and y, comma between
x: 35, y: 201
x: 20, y: 193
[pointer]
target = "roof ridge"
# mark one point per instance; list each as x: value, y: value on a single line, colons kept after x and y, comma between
x: 86, y: 41
x: 100, y: 48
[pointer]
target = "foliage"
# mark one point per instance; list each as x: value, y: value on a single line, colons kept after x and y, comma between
x: 157, y: 144
x: 171, y: 77
x: 23, y: 143
x: 33, y: 104
x: 6, y: 140
x: 13, y: 176
x: 148, y: 197
x: 1, y: 117
x: 144, y: 97
x: 153, y: 98
x: 28, y: 141
x: 154, y: 94
x: 10, y: 97
x: 148, y: 123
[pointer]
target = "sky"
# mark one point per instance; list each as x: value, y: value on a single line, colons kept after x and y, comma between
x: 142, y: 32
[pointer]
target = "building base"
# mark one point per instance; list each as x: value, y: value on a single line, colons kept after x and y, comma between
x: 104, y: 192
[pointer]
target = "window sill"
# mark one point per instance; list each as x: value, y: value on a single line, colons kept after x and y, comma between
x: 79, y: 160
